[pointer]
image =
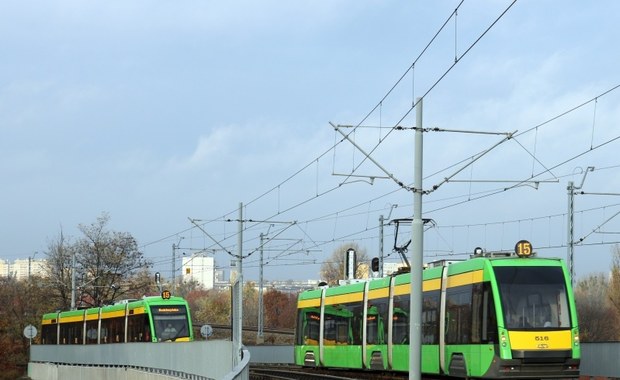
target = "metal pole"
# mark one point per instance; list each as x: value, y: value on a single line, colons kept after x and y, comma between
x: 260, y: 295
x: 571, y: 223
x: 417, y: 235
x: 73, y: 280
x: 381, y: 220
x: 571, y: 230
x: 239, y: 326
x: 174, y: 259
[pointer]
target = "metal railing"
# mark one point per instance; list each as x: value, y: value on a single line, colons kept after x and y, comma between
x: 195, y: 360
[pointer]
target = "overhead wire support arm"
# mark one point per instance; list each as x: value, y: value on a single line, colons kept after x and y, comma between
x: 509, y: 134
x: 193, y: 221
x: 389, y: 175
x: 479, y: 156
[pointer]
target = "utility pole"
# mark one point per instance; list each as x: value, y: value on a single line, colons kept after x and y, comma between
x: 381, y: 221
x: 73, y: 279
x: 260, y: 336
x: 238, y: 327
x: 174, y: 262
x: 417, y: 235
x: 571, y: 223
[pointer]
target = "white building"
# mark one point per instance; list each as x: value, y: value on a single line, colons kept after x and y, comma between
x: 200, y: 269
x: 5, y: 268
x: 22, y: 268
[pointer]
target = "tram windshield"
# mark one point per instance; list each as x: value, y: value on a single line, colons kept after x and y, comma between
x: 533, y: 297
x: 170, y: 322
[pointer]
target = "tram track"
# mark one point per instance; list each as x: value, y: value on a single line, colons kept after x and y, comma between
x: 301, y: 373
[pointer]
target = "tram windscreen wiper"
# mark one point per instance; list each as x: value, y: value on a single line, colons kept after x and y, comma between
x: 174, y: 338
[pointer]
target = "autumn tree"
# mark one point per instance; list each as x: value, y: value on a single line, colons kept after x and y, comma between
x: 24, y: 301
x: 280, y: 309
x: 597, y: 317
x: 213, y: 308
x: 332, y: 270
x: 250, y: 304
x: 614, y: 283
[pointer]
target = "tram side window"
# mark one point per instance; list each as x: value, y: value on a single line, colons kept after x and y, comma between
x: 376, y: 326
x: 308, y: 326
x: 49, y: 334
x: 357, y: 311
x: 112, y: 330
x: 91, y: 332
x: 458, y: 315
x: 483, y: 319
x: 71, y: 333
x: 138, y: 328
x: 430, y: 311
x: 400, y: 319
x: 337, y: 326
x: 488, y: 319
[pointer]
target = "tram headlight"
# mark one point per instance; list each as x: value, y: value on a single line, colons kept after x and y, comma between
x: 503, y: 339
x: 576, y: 340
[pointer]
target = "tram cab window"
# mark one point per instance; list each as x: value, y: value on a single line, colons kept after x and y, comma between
x: 308, y: 326
x: 170, y: 322
x: 533, y: 297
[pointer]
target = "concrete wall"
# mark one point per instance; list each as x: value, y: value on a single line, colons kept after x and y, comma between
x: 206, y: 360
x: 271, y: 354
x: 600, y: 359
x: 212, y: 360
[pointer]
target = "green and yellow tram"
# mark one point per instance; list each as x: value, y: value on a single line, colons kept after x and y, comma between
x: 492, y: 316
x: 150, y: 319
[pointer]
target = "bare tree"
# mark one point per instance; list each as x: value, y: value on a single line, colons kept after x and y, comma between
x: 108, y: 264
x: 59, y: 271
x: 332, y: 270
x: 597, y: 317
x: 108, y: 267
x: 614, y: 283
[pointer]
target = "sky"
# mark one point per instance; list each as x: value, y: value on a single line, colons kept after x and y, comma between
x: 167, y: 116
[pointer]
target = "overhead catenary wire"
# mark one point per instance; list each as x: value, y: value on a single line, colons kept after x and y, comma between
x: 318, y: 194
x: 320, y: 156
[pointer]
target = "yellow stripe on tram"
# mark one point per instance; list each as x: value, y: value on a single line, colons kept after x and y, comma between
x: 465, y: 279
x: 344, y: 298
x: 314, y: 302
x: 378, y: 293
x: 78, y: 318
x: 429, y: 285
x: 112, y: 314
x: 138, y: 310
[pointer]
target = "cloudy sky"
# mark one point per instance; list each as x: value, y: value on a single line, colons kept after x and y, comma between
x: 161, y: 112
